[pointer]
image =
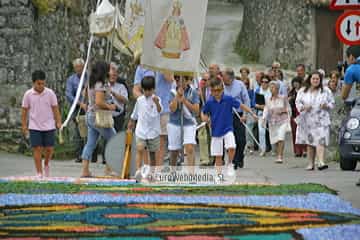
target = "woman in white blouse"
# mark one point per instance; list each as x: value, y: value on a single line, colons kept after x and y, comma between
x: 276, y: 113
x: 314, y: 103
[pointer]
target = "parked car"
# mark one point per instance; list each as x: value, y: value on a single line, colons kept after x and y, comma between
x: 349, y: 138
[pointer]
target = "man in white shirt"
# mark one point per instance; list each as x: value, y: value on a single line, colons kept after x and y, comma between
x: 119, y: 96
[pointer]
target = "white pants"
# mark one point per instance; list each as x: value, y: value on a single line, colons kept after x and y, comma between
x: 262, y: 137
x: 174, y: 136
x: 217, y: 144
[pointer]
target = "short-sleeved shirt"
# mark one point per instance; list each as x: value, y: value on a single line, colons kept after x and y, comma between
x: 221, y: 114
x: 352, y: 73
x: 163, y: 90
x: 238, y: 90
x: 72, y: 84
x: 175, y: 117
x: 39, y: 105
x: 99, y: 87
x: 148, y: 118
x: 121, y: 90
x: 142, y: 72
x: 283, y: 90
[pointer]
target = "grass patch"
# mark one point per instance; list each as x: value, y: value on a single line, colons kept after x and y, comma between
x: 233, y: 190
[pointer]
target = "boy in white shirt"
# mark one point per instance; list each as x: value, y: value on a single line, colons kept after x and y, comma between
x: 147, y: 114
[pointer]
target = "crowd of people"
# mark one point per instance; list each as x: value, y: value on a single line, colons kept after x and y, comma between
x: 243, y: 114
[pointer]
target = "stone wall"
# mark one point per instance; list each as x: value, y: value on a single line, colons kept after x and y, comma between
x: 29, y: 41
x: 282, y: 30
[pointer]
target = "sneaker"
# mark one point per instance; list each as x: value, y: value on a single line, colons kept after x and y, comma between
x: 137, y: 175
x: 219, y: 179
x: 358, y: 183
x: 145, y: 170
x: 279, y: 160
x: 47, y: 171
x: 262, y: 154
x: 39, y: 176
x: 230, y: 171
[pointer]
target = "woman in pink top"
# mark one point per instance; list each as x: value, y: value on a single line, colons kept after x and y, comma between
x: 97, y: 96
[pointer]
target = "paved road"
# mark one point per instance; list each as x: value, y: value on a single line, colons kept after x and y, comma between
x: 257, y: 170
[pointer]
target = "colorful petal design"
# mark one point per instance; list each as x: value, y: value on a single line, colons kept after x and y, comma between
x: 91, y: 210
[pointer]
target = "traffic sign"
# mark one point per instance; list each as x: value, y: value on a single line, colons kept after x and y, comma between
x: 348, y: 28
x: 345, y: 4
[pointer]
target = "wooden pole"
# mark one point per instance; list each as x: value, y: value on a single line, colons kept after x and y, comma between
x: 182, y: 123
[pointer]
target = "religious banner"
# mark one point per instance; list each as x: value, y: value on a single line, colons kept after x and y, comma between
x: 130, y: 34
x: 173, y: 35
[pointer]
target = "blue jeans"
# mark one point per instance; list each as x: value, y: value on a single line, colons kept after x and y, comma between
x: 93, y: 136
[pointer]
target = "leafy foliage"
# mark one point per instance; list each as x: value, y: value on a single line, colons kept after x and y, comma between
x: 47, y: 6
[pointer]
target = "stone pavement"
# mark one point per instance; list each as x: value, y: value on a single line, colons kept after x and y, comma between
x: 257, y: 170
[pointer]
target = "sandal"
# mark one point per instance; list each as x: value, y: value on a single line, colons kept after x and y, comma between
x: 279, y: 160
x: 87, y: 176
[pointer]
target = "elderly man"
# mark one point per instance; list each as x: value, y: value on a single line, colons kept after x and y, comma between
x: 237, y: 90
x: 352, y: 74
x: 119, y: 96
x: 72, y: 84
x: 214, y: 71
x: 204, y: 87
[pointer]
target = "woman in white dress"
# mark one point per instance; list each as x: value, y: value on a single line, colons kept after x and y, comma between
x: 277, y: 113
x: 314, y: 102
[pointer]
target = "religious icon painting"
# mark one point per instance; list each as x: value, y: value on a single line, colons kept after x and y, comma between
x: 173, y: 37
x: 173, y: 34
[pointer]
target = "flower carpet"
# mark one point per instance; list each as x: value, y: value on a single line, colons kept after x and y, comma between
x: 64, y: 208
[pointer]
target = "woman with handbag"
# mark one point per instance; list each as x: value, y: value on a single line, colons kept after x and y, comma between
x: 99, y: 114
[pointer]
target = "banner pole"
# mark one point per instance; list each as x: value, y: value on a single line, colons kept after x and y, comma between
x: 182, y: 124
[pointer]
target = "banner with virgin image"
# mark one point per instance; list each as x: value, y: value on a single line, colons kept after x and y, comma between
x: 173, y: 35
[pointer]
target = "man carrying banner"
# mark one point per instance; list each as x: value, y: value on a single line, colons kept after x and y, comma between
x: 188, y: 98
